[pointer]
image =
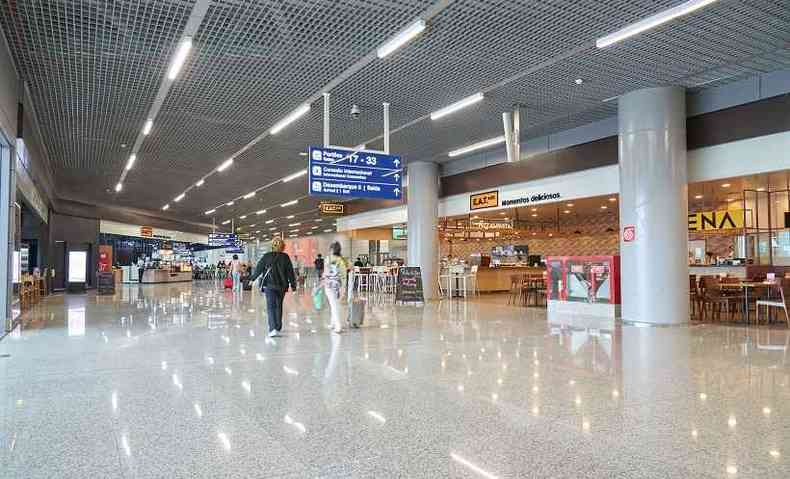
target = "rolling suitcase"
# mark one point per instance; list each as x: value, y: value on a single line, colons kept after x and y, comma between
x: 356, y: 313
x: 228, y: 283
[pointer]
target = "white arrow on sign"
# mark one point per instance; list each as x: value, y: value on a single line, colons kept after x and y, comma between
x: 397, y: 190
x: 397, y: 176
x: 397, y: 162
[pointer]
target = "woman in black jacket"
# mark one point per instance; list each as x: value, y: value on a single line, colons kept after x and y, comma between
x: 277, y: 274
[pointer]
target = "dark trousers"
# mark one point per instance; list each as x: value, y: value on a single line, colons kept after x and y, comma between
x: 274, y: 304
x: 140, y: 272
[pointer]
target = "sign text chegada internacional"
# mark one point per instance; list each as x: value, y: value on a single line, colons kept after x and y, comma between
x: 349, y: 173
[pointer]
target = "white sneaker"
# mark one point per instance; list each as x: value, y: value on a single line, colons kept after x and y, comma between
x: 274, y: 333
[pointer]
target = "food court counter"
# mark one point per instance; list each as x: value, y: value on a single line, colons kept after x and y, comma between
x: 165, y: 276
x: 714, y: 270
x: 490, y: 280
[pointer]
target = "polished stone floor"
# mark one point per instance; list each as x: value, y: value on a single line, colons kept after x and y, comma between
x: 181, y: 381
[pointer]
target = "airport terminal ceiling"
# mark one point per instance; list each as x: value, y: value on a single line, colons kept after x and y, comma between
x: 94, y: 69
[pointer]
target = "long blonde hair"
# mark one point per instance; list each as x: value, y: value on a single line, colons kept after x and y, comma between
x: 278, y: 245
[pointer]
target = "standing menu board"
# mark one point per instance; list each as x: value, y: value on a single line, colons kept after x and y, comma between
x: 409, y: 287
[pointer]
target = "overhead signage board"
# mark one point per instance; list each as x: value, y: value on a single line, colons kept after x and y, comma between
x: 223, y: 239
x: 716, y: 220
x: 349, y: 173
x: 146, y: 231
x: 328, y: 208
x: 489, y: 199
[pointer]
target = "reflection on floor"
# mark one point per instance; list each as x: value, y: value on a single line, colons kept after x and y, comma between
x: 181, y: 381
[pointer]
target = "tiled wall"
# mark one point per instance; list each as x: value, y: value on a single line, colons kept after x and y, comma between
x: 592, y: 235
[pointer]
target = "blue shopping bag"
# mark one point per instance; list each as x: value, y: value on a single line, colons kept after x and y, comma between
x: 318, y: 298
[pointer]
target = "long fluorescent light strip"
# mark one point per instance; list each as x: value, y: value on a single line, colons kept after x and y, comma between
x: 225, y: 164
x: 292, y: 117
x: 401, y: 38
x: 179, y: 197
x: 249, y: 195
x: 200, y: 183
x: 260, y: 212
x: 165, y: 207
x: 147, y: 128
x: 211, y: 211
x: 179, y: 58
x: 130, y: 161
x: 651, y: 22
x: 290, y: 203
x: 470, y: 100
x: 294, y: 176
x: 477, y: 146
x: 118, y: 187
x: 226, y: 222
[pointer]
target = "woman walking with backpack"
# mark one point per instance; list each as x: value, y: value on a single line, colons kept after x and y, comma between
x: 277, y: 274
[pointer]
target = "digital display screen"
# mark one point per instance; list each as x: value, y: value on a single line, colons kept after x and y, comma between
x: 78, y: 265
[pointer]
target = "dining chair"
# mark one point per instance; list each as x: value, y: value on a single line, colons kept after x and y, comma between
x: 714, y: 298
x: 778, y: 300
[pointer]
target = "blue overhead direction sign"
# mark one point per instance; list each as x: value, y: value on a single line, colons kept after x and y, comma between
x: 355, y: 173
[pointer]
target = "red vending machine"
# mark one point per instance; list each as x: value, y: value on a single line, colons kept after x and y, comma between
x: 584, y: 285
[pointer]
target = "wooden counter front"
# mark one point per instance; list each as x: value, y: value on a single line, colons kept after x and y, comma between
x: 491, y: 280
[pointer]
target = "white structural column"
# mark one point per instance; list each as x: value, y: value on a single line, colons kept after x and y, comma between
x: 423, y: 212
x: 654, y: 200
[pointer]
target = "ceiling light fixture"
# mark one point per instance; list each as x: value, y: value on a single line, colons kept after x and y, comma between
x: 651, y: 22
x: 226, y: 222
x: 200, y: 183
x: 243, y: 217
x: 294, y: 224
x: 210, y: 212
x: 401, y: 38
x: 292, y: 117
x: 225, y: 164
x: 165, y: 207
x: 470, y: 100
x: 603, y: 207
x: 260, y: 212
x: 249, y: 195
x: 269, y: 222
x: 118, y: 187
x: 477, y: 146
x: 130, y: 161
x: 289, y: 217
x: 294, y: 176
x: 328, y: 230
x: 725, y: 185
x: 230, y: 203
x: 179, y: 197
x: 578, y: 81
x: 180, y: 57
x: 289, y: 203
x: 613, y: 199
x: 698, y: 197
x: 147, y: 128
x: 272, y: 229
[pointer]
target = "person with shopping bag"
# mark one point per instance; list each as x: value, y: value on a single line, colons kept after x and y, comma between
x: 335, y: 284
x: 277, y: 274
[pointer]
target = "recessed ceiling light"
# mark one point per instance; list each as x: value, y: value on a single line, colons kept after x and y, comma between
x: 502, y: 213
x: 243, y: 217
x: 567, y: 211
x: 725, y: 185
x: 225, y: 164
x: 210, y: 212
x: 534, y: 209
x: 534, y: 234
x: 118, y: 187
x: 294, y: 176
x: 401, y: 38
x: 651, y: 22
x: 534, y: 215
x: 200, y: 183
x: 130, y: 161
x: 260, y: 212
x: 470, y: 100
x: 612, y: 199
x: 698, y: 197
x: 603, y: 207
x: 179, y: 58
x: 292, y: 117
x: 578, y: 81
x: 249, y: 195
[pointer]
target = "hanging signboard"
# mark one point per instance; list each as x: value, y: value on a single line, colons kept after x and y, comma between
x: 222, y: 239
x: 409, y: 286
x: 350, y: 173
x: 716, y: 220
x: 328, y: 208
x: 489, y: 199
x: 146, y: 231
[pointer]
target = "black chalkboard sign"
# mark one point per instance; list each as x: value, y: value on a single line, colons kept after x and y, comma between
x: 105, y: 283
x: 409, y: 288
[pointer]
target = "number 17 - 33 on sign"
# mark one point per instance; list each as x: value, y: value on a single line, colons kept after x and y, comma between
x: 352, y: 173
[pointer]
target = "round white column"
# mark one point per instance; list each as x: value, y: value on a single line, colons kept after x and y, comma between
x: 654, y: 199
x: 423, y: 217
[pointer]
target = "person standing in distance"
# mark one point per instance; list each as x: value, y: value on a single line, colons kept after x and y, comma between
x: 319, y: 265
x: 277, y: 274
x: 335, y: 284
x: 235, y: 272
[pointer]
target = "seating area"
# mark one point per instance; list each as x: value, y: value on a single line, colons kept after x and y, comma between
x: 31, y: 289
x: 528, y: 290
x: 757, y: 300
x: 375, y: 279
x: 456, y: 281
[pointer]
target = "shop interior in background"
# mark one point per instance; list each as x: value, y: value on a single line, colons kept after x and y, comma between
x: 163, y: 260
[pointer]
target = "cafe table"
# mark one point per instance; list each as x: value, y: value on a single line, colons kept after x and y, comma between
x: 746, y: 286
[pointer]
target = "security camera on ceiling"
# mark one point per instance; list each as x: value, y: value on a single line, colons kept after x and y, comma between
x: 355, y: 111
